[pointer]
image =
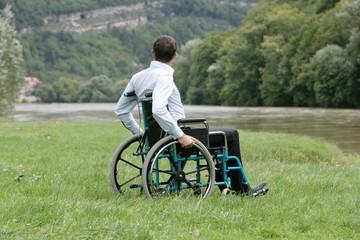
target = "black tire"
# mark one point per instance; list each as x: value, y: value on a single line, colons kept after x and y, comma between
x: 126, y: 165
x: 162, y: 174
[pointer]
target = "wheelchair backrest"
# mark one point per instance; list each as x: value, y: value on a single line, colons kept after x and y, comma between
x: 154, y: 131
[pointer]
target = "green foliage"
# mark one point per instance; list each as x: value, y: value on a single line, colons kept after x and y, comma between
x: 326, y: 5
x: 183, y: 63
x: 182, y: 29
x: 332, y: 73
x: 97, y: 89
x: 273, y: 91
x: 214, y: 82
x: 297, y: 53
x: 242, y: 79
x: 203, y: 57
x: 66, y: 90
x: 11, y: 60
x: 85, y: 56
x: 232, y: 13
x: 46, y: 93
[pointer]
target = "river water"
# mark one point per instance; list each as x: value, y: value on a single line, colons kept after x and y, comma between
x: 339, y: 126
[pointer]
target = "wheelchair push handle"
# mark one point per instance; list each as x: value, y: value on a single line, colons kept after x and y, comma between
x: 148, y: 94
x: 132, y: 93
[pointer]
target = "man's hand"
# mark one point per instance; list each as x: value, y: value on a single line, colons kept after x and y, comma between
x: 186, y: 141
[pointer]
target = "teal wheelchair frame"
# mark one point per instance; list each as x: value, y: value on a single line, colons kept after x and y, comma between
x: 158, y: 165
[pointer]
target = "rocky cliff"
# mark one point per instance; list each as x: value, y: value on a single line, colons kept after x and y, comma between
x: 129, y: 17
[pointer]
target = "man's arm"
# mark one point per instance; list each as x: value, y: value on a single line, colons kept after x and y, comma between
x: 123, y: 110
x: 162, y: 93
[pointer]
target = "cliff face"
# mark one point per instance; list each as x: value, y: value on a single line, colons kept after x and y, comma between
x: 109, y: 11
x: 129, y: 17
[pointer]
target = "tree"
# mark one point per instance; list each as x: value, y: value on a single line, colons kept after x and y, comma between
x: 66, y: 90
x: 11, y: 59
x: 274, y: 89
x: 203, y: 57
x: 351, y: 16
x: 182, y: 66
x: 46, y: 93
x: 215, y: 82
x: 242, y: 74
x: 97, y: 89
x: 353, y: 51
x: 331, y: 74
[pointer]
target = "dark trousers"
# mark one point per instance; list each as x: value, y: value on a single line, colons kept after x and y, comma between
x: 237, y: 180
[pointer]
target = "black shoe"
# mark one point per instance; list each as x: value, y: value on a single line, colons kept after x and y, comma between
x: 257, y: 188
x: 261, y: 192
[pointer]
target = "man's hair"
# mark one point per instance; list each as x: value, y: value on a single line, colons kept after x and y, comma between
x: 164, y: 48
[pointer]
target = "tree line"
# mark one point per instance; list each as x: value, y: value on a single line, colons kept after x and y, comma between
x: 285, y: 53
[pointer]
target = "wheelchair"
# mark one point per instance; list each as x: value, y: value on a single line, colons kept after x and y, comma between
x: 157, y: 164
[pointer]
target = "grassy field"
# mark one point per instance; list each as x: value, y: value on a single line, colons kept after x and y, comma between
x: 54, y: 183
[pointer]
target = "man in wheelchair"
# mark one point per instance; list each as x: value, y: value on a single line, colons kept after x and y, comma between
x: 167, y: 109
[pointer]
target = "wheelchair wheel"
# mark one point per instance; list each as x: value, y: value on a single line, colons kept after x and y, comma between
x: 126, y: 165
x: 169, y: 168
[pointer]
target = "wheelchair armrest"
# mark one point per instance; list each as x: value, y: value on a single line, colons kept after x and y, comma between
x: 223, y: 135
x: 200, y: 133
x: 191, y: 120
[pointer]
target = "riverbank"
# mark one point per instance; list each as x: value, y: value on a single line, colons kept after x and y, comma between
x: 55, y: 185
x: 338, y: 126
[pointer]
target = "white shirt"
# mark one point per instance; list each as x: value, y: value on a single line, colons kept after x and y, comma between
x: 166, y: 102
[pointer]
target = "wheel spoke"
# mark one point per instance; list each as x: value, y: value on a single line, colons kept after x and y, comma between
x: 183, y: 164
x: 163, y: 171
x: 129, y: 180
x: 196, y: 171
x: 189, y: 184
x: 126, y: 167
x: 130, y: 163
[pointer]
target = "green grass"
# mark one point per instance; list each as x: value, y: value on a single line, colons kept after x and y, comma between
x: 54, y: 183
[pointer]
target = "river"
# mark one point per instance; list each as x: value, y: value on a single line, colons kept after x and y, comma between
x: 339, y: 126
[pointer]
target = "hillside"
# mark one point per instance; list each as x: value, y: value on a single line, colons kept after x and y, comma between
x: 78, y: 40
